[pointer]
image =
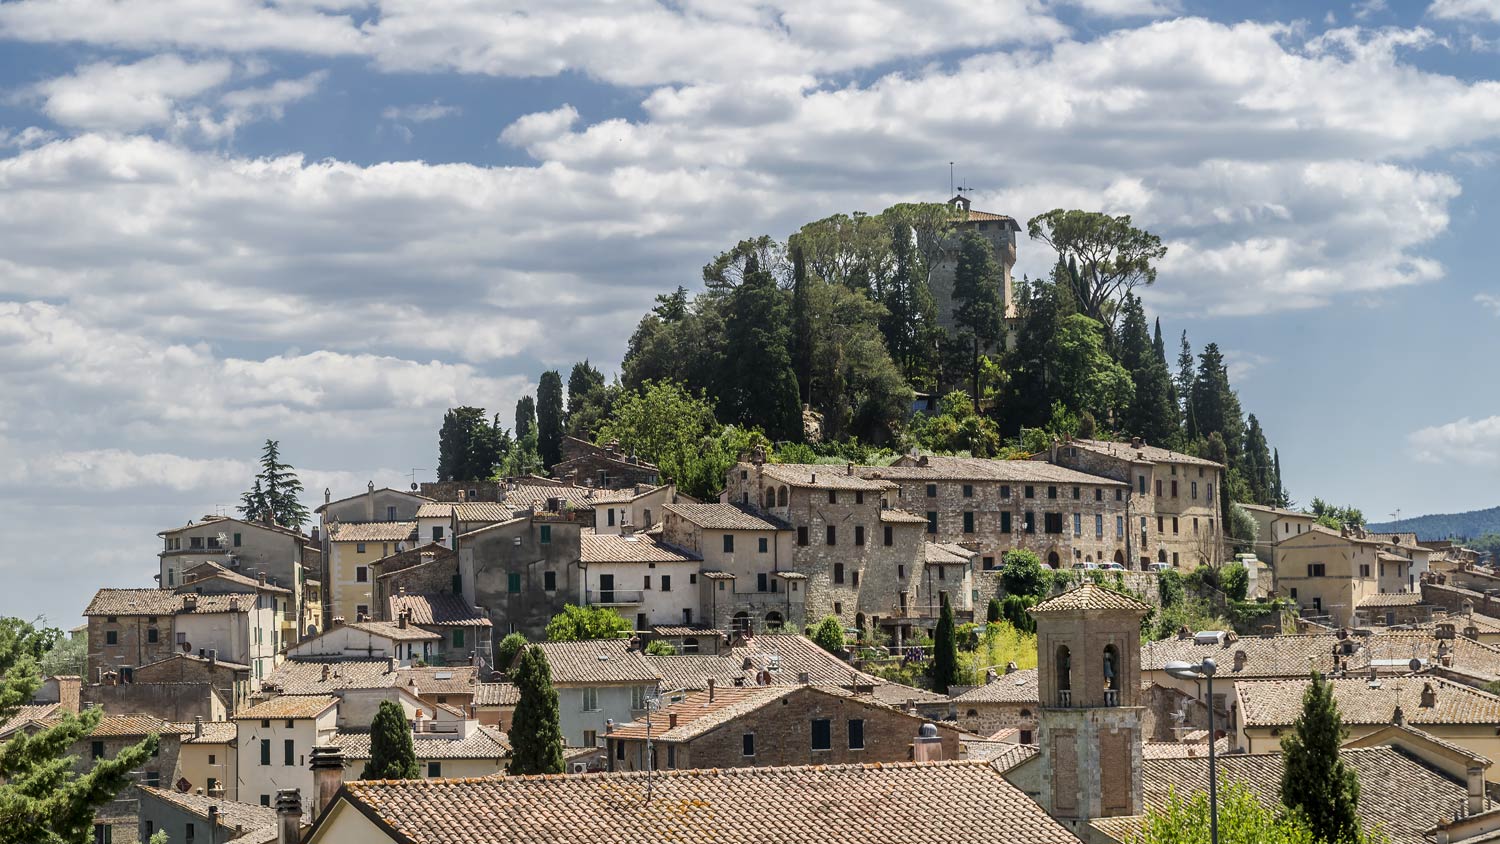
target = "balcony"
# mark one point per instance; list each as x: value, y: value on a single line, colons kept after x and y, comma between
x: 1065, y: 698
x: 616, y: 598
x: 1111, y: 697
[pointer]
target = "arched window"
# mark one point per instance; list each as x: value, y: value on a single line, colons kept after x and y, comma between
x: 770, y: 498
x: 972, y: 713
x: 689, y: 646
x: 773, y: 621
x: 1064, y: 676
x: 741, y: 622
x: 1161, y: 556
x: 1120, y: 557
x: 1088, y: 558
x: 781, y: 497
x: 1026, y: 713
x: 1113, y: 681
x: 1053, y: 560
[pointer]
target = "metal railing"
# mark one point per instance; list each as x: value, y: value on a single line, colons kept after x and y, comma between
x: 616, y: 597
x: 1111, y: 697
x: 1065, y: 698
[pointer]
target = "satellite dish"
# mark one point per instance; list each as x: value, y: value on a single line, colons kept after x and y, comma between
x: 1415, y: 664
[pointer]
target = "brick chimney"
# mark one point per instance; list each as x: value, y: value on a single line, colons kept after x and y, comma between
x: 328, y: 774
x: 928, y: 746
x: 288, y: 816
x: 1429, y: 696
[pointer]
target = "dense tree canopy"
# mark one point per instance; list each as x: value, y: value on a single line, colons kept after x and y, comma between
x: 1111, y: 257
x: 276, y: 492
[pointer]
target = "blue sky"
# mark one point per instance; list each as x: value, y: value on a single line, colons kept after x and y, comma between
x: 325, y: 221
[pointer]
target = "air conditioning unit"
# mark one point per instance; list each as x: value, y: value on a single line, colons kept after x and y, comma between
x: 580, y: 767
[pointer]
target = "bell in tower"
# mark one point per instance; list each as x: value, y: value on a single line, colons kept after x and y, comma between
x: 1089, y: 729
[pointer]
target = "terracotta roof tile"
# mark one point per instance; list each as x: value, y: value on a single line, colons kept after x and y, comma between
x: 1148, y: 453
x: 125, y: 726
x: 1015, y: 687
x: 894, y: 516
x: 1265, y: 656
x: 697, y: 715
x: 1090, y: 596
x: 161, y: 602
x: 484, y: 743
x: 819, y: 476
x: 946, y: 553
x: 1392, y: 599
x: 295, y: 677
x: 26, y: 714
x: 613, y: 548
x: 288, y: 706
x: 371, y: 531
x: 214, y: 732
x: 454, y: 680
x: 1278, y: 703
x: 934, y: 803
x: 394, y: 631
x: 597, y: 661
x: 984, y: 470
x: 438, y: 609
x: 726, y: 517
x: 251, y: 818
x: 496, y: 694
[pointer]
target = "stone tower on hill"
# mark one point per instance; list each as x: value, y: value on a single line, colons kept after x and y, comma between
x: 1089, y: 730
x: 1000, y: 231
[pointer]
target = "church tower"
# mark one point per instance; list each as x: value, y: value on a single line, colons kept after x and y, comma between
x: 1089, y: 679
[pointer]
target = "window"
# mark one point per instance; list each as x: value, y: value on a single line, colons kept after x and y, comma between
x: 1078, y: 524
x: 889, y: 536
x: 762, y: 582
x: 856, y: 734
x: 1174, y: 524
x: 1142, y: 483
x: 1051, y: 492
x: 362, y: 574
x: 802, y: 535
x: 437, y: 533
x: 1076, y: 493
x: 901, y: 574
x: 831, y: 535
x: 859, y: 534
x: 289, y: 753
x: 666, y: 583
x: 1174, y: 489
x: 1005, y: 522
x: 1005, y: 490
x: 968, y: 490
x: 195, y: 542
x: 1364, y: 569
x: 646, y: 582
x: 1315, y: 569
x: 457, y: 584
x: 1052, y: 522
x: 590, y: 700
x: 104, y: 833
x: 96, y: 750
x: 838, y: 608
x: 763, y: 545
x: 549, y: 581
x: 859, y: 498
x: 458, y: 637
x: 1195, y: 526
x: 1209, y: 492
x: 989, y: 562
x: 1098, y: 493
x: 729, y: 543
x: 1030, y: 492
x: 822, y: 734
x: 932, y: 521
x: 390, y: 513
x: 838, y: 572
x: 150, y: 829
x: 152, y: 635
x: 1119, y: 525
x: 513, y: 582
x: 932, y: 490
x: 1175, y: 559
x: 1119, y: 495
x: 1026, y: 737
x: 671, y: 756
x: 546, y: 535
x: 265, y: 751
x: 211, y: 758
x: 1028, y: 522
x: 854, y: 579
x: 638, y: 697
x: 1158, y: 487
x: 1194, y: 489
x: 434, y: 770
x: 1099, y: 526
x: 237, y: 540
x: 620, y: 750
x: 1160, y: 522
x: 359, y: 548
x: 590, y: 738
x: 747, y: 744
x: 968, y: 521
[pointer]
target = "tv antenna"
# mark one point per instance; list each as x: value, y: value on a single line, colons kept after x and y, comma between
x: 413, y: 475
x: 950, y: 177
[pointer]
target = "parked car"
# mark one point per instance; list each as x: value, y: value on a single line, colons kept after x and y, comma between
x: 1085, y: 566
x: 1111, y: 567
x: 1160, y: 567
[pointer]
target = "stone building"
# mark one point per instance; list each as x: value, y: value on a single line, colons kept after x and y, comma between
x: 647, y: 582
x: 209, y: 759
x: 425, y: 569
x: 284, y: 557
x: 605, y: 467
x: 746, y: 581
x: 1005, y: 702
x: 757, y: 726
x: 1000, y: 231
x: 598, y: 681
x: 993, y: 506
x: 1088, y: 681
x: 133, y: 627
x: 464, y: 629
x: 202, y: 817
x: 1172, y: 503
x: 229, y: 680
x: 117, y: 820
x: 523, y: 571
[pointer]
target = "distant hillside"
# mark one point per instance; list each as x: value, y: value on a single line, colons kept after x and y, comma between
x: 1470, y: 525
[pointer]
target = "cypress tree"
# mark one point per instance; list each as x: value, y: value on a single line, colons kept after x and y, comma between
x: 978, y: 306
x: 392, y: 756
x: 1282, y: 499
x: 1215, y: 407
x: 583, y: 382
x: 468, y: 445
x: 549, y: 417
x: 525, y: 417
x: 992, y: 612
x: 1028, y: 394
x: 1315, y: 781
x: 535, y: 730
x: 1152, y: 413
x: 1256, y: 466
x: 1186, y: 375
x: 945, y: 650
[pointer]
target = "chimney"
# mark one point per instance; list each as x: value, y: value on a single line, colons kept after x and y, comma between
x: 327, y: 495
x: 710, y: 690
x: 213, y: 657
x: 390, y: 665
x: 1475, y: 782
x: 327, y: 671
x: 197, y: 726
x: 923, y: 461
x: 803, y: 678
x: 401, y: 619
x: 1429, y: 696
x: 1137, y: 443
x: 927, y: 747
x: 328, y: 774
x: 1240, y: 657
x: 190, y: 602
x: 851, y: 468
x: 213, y: 821
x: 288, y: 816
x: 260, y: 577
x: 1011, y: 667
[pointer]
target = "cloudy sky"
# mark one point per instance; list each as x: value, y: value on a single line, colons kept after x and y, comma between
x: 325, y: 221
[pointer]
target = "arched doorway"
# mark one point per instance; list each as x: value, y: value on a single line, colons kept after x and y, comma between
x: 1120, y: 557
x: 1111, y: 673
x: 741, y: 622
x: 1053, y: 560
x: 774, y: 621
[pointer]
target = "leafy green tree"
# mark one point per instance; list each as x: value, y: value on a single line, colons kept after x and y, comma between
x: 67, y: 656
x: 1169, y: 588
x: 469, y: 445
x: 666, y: 424
x: 578, y: 623
x: 392, y: 756
x: 1014, y: 611
x: 276, y: 491
x: 992, y: 612
x: 979, y: 306
x: 802, y: 328
x: 1234, y: 579
x: 944, y: 649
x: 1242, y: 528
x: 1152, y: 412
x: 525, y: 417
x: 854, y: 383
x: 1334, y: 517
x: 956, y: 427
x: 1242, y: 819
x: 910, y: 322
x: 1089, y: 378
x: 1112, y: 257
x: 1033, y: 384
x: 1022, y: 573
x: 549, y: 417
x: 535, y: 730
x: 829, y: 634
x: 510, y: 647
x: 660, y: 647
x: 1315, y: 782
x: 42, y: 799
x: 584, y: 380
x: 759, y: 387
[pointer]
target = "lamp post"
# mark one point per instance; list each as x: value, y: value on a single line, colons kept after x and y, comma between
x: 1205, y: 671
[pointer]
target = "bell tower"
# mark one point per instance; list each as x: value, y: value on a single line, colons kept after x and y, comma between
x: 1089, y: 729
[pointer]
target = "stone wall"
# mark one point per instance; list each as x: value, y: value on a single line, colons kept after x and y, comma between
x: 466, y: 491
x: 410, y: 572
x: 231, y: 684
x: 180, y: 702
x: 133, y: 642
x: 985, y: 719
x: 121, y: 813
x: 487, y: 560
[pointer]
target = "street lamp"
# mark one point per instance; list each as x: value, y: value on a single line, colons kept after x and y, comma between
x: 1205, y: 671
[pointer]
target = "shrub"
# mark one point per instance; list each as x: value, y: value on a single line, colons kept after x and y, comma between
x: 829, y: 634
x: 661, y: 647
x: 510, y: 646
x: 1022, y: 573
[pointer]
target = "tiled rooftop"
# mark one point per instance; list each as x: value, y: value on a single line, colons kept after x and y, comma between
x: 901, y: 517
x: 288, y: 706
x: 597, y: 661
x: 696, y: 714
x: 26, y: 714
x: 483, y: 743
x: 1015, y: 687
x: 210, y: 571
x: 125, y: 726
x: 1149, y: 453
x: 496, y: 694
x: 633, y: 548
x: 1090, y: 596
x: 1265, y: 656
x: 946, y: 553
x: 1392, y: 599
x: 371, y: 531
x: 438, y: 609
x: 725, y: 517
x: 161, y: 602
x: 935, y: 803
x: 295, y: 677
x: 982, y: 469
x: 393, y: 631
x: 214, y: 732
x: 454, y: 680
x: 784, y: 655
x: 1278, y: 703
x: 820, y: 476
x: 252, y: 819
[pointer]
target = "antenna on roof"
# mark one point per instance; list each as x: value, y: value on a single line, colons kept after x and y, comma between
x: 413, y: 475
x: 950, y: 178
